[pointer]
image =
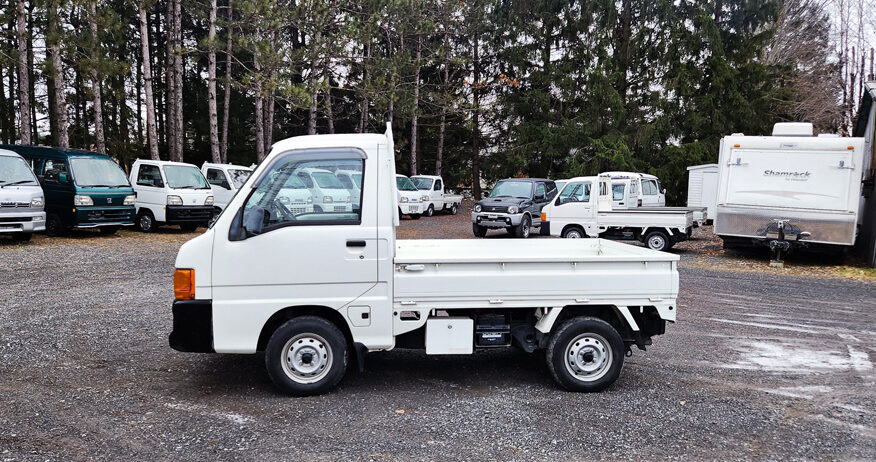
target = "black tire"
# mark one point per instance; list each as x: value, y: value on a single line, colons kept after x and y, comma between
x: 580, y: 344
x: 574, y: 232
x: 415, y: 216
x: 430, y: 211
x: 146, y: 221
x: 316, y: 336
x: 21, y: 237
x: 658, y: 240
x: 55, y: 226
x: 188, y: 227
x: 108, y: 230
x: 454, y: 209
x: 478, y: 230
x: 523, y: 229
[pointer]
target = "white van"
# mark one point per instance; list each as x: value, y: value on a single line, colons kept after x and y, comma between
x: 21, y: 198
x: 352, y: 180
x: 225, y: 180
x: 411, y: 201
x: 651, y: 192
x: 329, y: 194
x: 172, y: 193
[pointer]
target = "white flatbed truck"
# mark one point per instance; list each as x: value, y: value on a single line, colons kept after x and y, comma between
x: 318, y: 290
x: 584, y: 209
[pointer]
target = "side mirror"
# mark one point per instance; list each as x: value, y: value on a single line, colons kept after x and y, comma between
x: 664, y: 191
x: 539, y: 198
x: 254, y: 220
x: 62, y: 178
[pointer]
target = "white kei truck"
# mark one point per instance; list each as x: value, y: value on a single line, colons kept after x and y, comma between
x: 316, y: 291
x: 584, y: 209
x: 439, y: 199
x: 790, y: 190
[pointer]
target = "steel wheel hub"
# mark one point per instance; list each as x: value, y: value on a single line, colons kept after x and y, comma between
x: 306, y: 358
x: 588, y: 357
x: 656, y: 242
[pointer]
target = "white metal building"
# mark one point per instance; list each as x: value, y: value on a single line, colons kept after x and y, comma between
x: 702, y: 187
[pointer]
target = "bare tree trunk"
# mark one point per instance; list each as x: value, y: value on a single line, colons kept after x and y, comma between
x: 31, y: 69
x: 100, y: 143
x: 475, y: 126
x: 170, y: 84
x: 211, y: 86
x: 178, y: 76
x: 259, y: 112
x: 363, y: 119
x: 329, y: 112
x: 223, y: 149
x: 23, y: 76
x: 151, y: 129
x: 414, y: 116
x: 439, y: 154
x: 59, y: 94
x: 311, y: 123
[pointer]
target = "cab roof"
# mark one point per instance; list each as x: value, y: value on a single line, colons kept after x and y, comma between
x: 48, y: 152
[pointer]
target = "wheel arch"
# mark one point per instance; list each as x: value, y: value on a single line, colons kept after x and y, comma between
x: 570, y: 226
x: 608, y: 313
x: 280, y: 317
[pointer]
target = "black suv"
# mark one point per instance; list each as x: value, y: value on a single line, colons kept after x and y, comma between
x: 514, y: 204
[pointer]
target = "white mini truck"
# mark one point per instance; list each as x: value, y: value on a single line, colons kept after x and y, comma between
x: 318, y: 290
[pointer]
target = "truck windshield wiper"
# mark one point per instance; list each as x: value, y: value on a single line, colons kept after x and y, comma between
x: 188, y: 186
x: 16, y: 182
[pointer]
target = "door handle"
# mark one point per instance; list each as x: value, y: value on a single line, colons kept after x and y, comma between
x: 355, y: 243
x: 415, y: 267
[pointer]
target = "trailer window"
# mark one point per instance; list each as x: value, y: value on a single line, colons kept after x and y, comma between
x: 298, y: 193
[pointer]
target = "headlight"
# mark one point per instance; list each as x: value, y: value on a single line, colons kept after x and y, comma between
x: 310, y: 200
x: 403, y: 200
x: 477, y: 208
x: 82, y: 200
x: 424, y: 199
x: 174, y: 200
x: 283, y: 200
x: 326, y: 199
x: 129, y: 200
x: 36, y: 202
x: 512, y: 210
x: 209, y: 200
x: 349, y: 199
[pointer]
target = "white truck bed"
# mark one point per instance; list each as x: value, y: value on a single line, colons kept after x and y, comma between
x: 647, y: 218
x: 700, y: 214
x: 446, y: 274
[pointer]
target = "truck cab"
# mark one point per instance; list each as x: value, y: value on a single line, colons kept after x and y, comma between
x: 317, y: 291
x: 650, y: 191
x: 439, y: 200
x: 225, y: 180
x: 514, y: 205
x: 21, y: 198
x: 173, y: 193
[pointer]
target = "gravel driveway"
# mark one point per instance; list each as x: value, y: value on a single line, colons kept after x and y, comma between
x: 759, y: 366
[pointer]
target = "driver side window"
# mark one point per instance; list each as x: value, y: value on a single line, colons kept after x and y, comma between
x: 303, y: 192
x: 217, y: 177
x: 575, y: 192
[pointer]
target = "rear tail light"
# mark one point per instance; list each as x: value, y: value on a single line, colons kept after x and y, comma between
x: 184, y: 284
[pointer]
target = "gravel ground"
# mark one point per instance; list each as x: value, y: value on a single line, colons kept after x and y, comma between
x: 761, y: 365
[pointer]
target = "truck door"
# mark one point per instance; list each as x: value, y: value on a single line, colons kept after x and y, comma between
x: 573, y: 206
x: 273, y: 257
x: 438, y: 195
x: 221, y: 185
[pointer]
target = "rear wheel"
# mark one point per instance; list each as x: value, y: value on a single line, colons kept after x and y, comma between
x: 453, y: 209
x: 657, y: 240
x: 478, y: 230
x: 55, y: 226
x: 585, y: 354
x: 522, y: 230
x: 108, y: 230
x: 306, y: 356
x: 430, y: 211
x: 574, y: 233
x: 21, y: 237
x: 146, y: 221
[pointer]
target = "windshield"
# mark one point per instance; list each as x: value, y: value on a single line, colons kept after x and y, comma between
x: 15, y: 170
x: 357, y: 177
x: 617, y: 192
x: 327, y: 180
x: 294, y: 182
x: 404, y: 184
x: 97, y: 171
x: 422, y: 183
x: 238, y: 176
x: 521, y: 189
x: 185, y: 177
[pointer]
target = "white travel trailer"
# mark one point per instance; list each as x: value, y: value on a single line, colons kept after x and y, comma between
x: 790, y: 189
x: 702, y: 187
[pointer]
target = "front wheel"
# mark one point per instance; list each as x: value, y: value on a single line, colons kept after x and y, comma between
x: 573, y: 233
x: 415, y: 216
x: 657, y: 240
x: 523, y: 229
x: 55, y: 226
x: 430, y: 211
x: 478, y: 230
x: 585, y: 354
x: 306, y: 356
x: 146, y: 221
x: 453, y: 209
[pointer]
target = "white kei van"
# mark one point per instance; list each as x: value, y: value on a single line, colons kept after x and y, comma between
x: 171, y: 193
x: 352, y: 180
x: 329, y: 194
x: 21, y: 198
x: 225, y: 180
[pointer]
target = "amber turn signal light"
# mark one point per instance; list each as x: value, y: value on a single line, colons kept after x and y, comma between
x: 543, y: 216
x: 184, y: 284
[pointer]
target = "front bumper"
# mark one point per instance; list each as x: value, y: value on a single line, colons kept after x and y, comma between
x: 175, y: 214
x: 192, y: 326
x: 496, y: 220
x: 22, y: 222
x: 92, y: 217
x: 412, y: 208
